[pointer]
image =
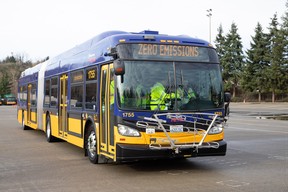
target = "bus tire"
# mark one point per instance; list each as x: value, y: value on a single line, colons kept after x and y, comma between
x: 50, y: 138
x: 24, y: 127
x: 91, y: 145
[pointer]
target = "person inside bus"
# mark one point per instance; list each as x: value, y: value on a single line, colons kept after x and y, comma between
x: 159, y: 96
x: 186, y: 93
x: 111, y: 92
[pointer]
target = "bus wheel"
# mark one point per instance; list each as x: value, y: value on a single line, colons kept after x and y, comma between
x: 24, y: 127
x: 91, y: 145
x: 49, y: 136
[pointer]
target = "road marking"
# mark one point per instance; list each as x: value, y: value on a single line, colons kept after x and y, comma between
x: 259, y: 130
x: 233, y: 183
x: 278, y: 157
x: 174, y: 172
x: 280, y: 124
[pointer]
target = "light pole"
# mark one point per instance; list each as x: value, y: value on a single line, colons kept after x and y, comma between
x: 209, y: 14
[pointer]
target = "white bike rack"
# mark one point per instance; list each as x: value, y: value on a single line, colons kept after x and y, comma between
x: 195, y: 119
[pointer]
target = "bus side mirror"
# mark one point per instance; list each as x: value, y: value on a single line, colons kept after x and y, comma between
x: 227, y: 97
x: 119, y: 67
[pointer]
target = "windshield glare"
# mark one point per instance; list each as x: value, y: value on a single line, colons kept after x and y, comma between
x: 150, y: 85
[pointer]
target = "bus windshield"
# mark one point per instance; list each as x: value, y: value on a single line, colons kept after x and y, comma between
x: 156, y: 85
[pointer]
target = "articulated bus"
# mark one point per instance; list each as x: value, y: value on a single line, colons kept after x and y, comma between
x: 125, y: 96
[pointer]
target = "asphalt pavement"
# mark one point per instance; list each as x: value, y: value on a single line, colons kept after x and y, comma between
x: 256, y: 160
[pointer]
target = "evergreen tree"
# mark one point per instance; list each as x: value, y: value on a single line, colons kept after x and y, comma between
x: 220, y: 43
x: 284, y: 31
x: 9, y: 59
x: 232, y: 59
x: 275, y: 73
x: 5, y: 83
x: 252, y: 78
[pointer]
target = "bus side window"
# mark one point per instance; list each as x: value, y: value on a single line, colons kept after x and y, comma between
x: 24, y: 92
x: 20, y: 88
x: 90, y: 100
x: 47, y: 92
x: 33, y: 95
x: 54, y: 92
x: 76, y: 100
x: 76, y: 96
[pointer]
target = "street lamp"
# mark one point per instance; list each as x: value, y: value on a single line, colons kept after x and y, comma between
x: 209, y: 14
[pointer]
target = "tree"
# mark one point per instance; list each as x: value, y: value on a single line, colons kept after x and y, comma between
x: 252, y: 78
x: 5, y: 83
x: 284, y: 31
x: 9, y: 59
x: 232, y: 59
x: 275, y: 72
x: 220, y: 43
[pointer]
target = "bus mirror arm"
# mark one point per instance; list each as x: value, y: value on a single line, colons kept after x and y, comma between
x: 112, y: 53
x: 122, y: 78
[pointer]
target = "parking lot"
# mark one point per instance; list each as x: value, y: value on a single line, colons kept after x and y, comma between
x: 256, y: 160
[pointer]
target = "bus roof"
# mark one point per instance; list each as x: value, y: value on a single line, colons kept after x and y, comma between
x: 94, y: 50
x: 31, y: 74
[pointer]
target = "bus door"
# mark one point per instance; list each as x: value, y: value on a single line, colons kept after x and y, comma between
x: 62, y: 118
x: 29, y: 103
x: 106, y: 131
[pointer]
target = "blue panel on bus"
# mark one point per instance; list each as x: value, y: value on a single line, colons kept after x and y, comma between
x: 94, y: 49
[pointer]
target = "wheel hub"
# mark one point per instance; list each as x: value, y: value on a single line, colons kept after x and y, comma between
x: 92, y: 144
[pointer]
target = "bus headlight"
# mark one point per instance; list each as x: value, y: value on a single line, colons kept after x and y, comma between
x: 127, y: 131
x: 218, y: 128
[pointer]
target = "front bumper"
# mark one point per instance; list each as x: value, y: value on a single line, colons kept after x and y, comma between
x: 126, y: 152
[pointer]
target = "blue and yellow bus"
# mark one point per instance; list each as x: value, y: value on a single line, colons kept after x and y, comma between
x: 125, y: 96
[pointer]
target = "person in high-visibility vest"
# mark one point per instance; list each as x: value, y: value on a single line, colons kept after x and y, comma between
x: 186, y: 95
x: 158, y: 96
x: 112, y: 92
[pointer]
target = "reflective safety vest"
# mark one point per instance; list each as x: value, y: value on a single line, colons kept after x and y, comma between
x: 191, y: 94
x: 158, y: 96
x: 186, y: 96
x: 112, y: 92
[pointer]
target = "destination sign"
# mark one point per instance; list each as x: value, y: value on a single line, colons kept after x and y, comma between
x: 167, y: 50
x: 173, y: 52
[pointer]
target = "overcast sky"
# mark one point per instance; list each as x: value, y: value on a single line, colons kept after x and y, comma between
x: 40, y: 28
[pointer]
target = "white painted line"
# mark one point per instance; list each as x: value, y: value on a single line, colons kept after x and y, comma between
x: 258, y: 130
x: 233, y: 183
